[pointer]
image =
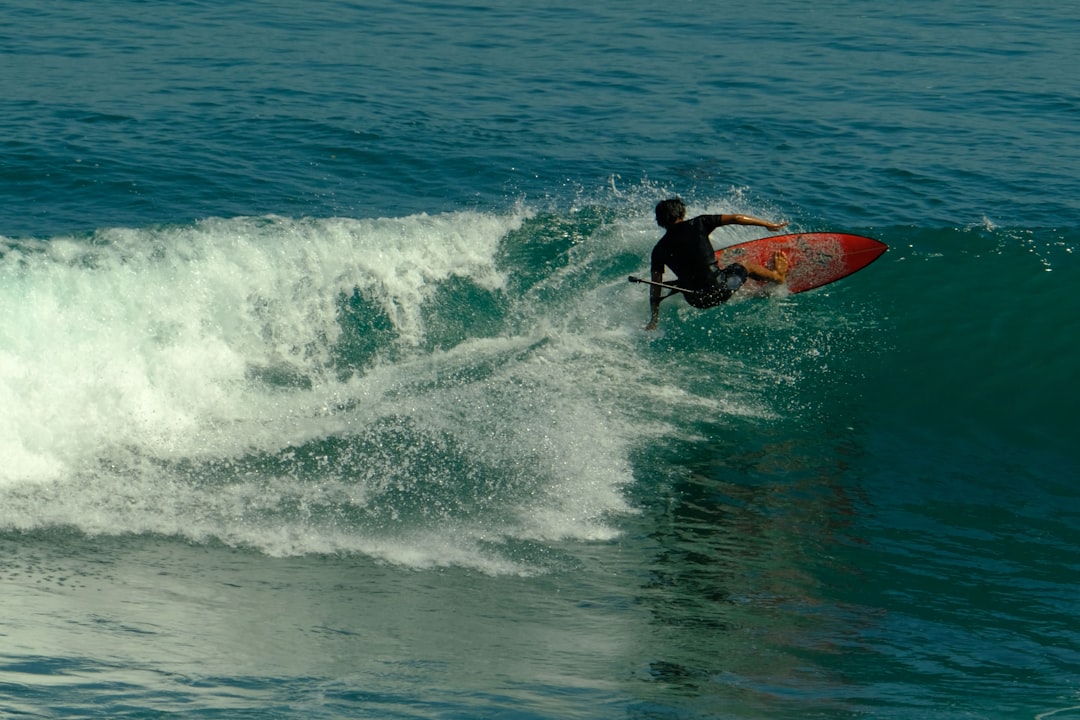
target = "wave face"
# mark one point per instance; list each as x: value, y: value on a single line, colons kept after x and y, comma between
x: 461, y: 388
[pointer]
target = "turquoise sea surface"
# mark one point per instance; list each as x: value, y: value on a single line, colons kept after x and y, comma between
x: 323, y: 392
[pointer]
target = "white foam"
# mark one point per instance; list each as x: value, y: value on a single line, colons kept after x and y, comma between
x: 143, y: 337
x: 128, y: 403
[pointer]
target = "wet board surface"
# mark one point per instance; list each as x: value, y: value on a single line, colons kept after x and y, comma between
x: 815, y: 259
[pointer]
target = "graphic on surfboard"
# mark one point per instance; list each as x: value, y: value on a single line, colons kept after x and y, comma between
x: 815, y: 259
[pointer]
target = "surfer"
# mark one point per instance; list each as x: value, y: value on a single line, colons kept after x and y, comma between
x: 687, y: 250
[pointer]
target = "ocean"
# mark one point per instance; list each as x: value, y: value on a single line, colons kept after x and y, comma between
x: 323, y: 392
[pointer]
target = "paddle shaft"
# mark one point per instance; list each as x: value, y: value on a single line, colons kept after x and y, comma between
x: 672, y: 288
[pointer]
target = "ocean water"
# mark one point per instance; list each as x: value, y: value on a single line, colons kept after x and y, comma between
x: 323, y: 393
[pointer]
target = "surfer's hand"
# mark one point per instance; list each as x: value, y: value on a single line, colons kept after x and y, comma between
x: 776, y: 225
x: 780, y: 262
x: 651, y: 325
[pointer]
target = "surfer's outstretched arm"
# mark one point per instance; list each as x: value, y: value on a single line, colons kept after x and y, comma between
x: 751, y: 220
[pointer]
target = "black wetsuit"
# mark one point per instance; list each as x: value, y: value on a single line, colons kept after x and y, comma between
x: 686, y: 249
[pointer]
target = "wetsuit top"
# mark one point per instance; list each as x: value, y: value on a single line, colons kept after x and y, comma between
x: 686, y: 249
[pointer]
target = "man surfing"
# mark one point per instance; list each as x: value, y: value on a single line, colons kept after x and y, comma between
x: 687, y: 250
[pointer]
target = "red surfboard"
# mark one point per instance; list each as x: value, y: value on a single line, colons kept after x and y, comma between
x: 814, y: 259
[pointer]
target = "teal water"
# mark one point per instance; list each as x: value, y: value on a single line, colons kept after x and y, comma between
x: 323, y: 393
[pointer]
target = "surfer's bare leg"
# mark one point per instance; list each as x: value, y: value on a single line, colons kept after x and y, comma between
x: 759, y: 272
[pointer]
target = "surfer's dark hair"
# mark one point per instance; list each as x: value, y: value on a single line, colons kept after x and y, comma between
x: 670, y: 212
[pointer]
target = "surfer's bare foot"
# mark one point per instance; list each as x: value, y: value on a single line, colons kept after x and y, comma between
x: 780, y: 262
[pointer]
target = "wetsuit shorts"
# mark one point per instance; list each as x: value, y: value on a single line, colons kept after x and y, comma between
x: 724, y: 284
